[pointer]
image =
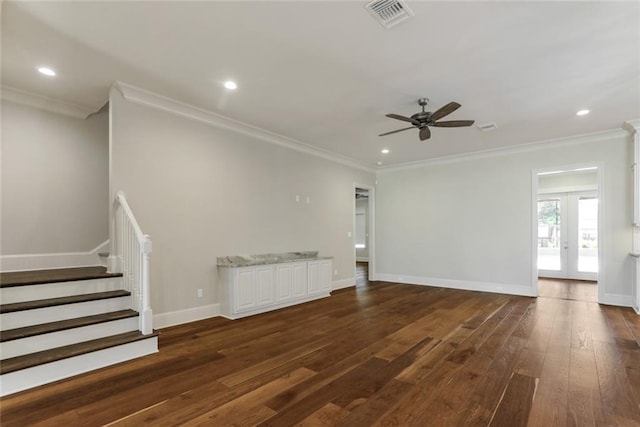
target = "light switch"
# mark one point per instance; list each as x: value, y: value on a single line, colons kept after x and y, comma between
x: 348, y: 234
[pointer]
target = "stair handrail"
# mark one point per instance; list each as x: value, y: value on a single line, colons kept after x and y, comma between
x: 132, y: 251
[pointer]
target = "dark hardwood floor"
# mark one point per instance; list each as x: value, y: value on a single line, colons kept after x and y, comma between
x: 380, y: 354
x: 579, y: 290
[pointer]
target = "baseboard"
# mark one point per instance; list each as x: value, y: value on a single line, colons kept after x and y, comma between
x: 26, y: 262
x: 173, y: 318
x: 344, y: 283
x: 362, y: 259
x: 465, y: 285
x: 617, y: 300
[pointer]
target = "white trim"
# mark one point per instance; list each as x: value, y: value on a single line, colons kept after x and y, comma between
x: 601, y: 235
x: 151, y: 99
x: 465, y: 285
x: 631, y: 126
x: 569, y: 189
x: 343, y: 283
x: 362, y: 259
x: 522, y: 148
x: 24, y: 262
x: 616, y: 299
x: 173, y: 318
x: 45, y: 103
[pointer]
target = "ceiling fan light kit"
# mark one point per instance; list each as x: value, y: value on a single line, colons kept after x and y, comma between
x: 423, y: 119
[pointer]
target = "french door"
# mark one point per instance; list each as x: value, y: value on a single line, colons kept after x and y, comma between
x: 568, y: 235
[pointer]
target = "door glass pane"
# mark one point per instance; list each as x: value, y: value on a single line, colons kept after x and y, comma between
x: 588, y: 234
x: 549, y: 234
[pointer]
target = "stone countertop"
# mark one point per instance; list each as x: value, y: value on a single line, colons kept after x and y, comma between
x: 264, y: 259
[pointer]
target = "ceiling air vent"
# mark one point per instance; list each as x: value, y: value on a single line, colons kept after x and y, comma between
x: 487, y: 126
x: 389, y: 12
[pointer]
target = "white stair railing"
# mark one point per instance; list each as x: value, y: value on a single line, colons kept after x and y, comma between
x: 132, y: 250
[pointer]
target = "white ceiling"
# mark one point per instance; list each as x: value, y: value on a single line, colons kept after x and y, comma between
x: 325, y: 73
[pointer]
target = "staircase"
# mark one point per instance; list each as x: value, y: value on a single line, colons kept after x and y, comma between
x: 58, y: 323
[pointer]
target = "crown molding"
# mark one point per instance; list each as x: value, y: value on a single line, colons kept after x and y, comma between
x: 45, y: 103
x: 144, y: 97
x: 523, y: 148
x: 632, y: 126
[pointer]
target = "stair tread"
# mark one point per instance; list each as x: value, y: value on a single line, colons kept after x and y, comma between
x: 45, y: 328
x: 38, y: 277
x: 47, y: 356
x: 50, y: 302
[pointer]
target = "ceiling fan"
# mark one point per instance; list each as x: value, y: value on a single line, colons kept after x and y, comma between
x: 423, y: 119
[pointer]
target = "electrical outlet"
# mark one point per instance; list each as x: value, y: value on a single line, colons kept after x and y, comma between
x: 200, y: 293
x: 348, y: 234
x: 297, y: 198
x: 335, y: 272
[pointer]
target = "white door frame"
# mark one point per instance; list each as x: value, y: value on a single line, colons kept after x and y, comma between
x: 601, y: 221
x: 371, y: 229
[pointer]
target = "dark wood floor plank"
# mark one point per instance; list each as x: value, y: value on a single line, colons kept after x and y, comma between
x: 513, y: 409
x: 618, y: 402
x: 378, y: 354
x: 329, y: 415
x: 584, y: 406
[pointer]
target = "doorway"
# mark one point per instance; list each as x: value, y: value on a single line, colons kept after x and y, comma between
x: 567, y: 230
x: 363, y: 234
x: 568, y: 235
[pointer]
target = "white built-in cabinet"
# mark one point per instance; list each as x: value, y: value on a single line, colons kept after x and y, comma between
x: 257, y: 289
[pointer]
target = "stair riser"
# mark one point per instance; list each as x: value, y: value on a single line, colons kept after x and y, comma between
x: 58, y: 289
x: 65, y: 368
x: 43, y: 342
x: 24, y: 318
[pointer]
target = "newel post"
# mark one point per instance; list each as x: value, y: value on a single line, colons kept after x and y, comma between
x: 114, y: 261
x: 146, y: 315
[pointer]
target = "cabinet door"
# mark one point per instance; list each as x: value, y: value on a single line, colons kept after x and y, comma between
x: 245, y: 294
x: 313, y: 274
x: 324, y: 277
x: 283, y: 282
x: 299, y: 280
x: 264, y: 285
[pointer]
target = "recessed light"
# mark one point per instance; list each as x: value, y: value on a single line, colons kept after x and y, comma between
x: 582, y: 113
x: 231, y: 85
x: 385, y: 151
x: 379, y: 163
x: 46, y: 71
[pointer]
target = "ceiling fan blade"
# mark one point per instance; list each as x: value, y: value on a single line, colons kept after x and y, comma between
x: 453, y: 123
x: 403, y: 118
x: 425, y: 133
x: 444, y: 111
x: 394, y: 131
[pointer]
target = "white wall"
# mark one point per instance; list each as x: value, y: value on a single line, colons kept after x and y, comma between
x: 468, y: 223
x: 579, y: 181
x: 202, y: 192
x: 54, y: 181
